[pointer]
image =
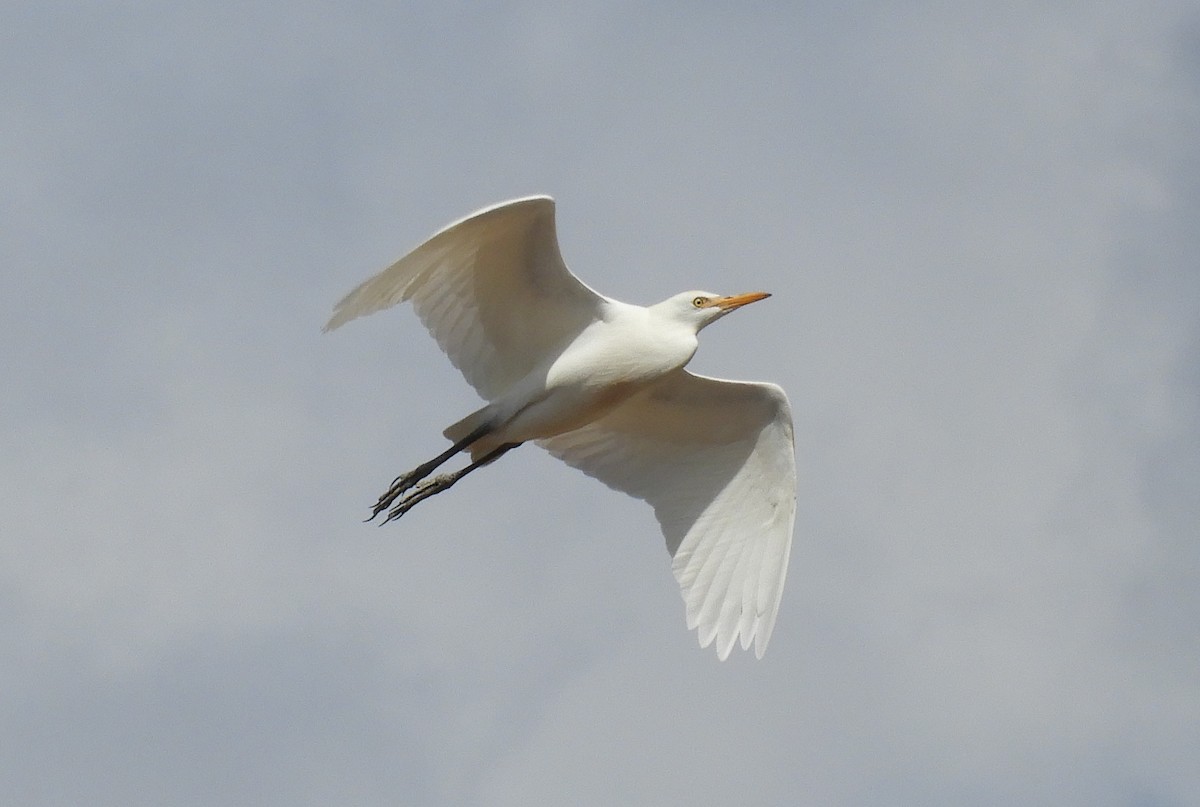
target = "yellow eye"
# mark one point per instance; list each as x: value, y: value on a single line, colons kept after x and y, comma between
x: 700, y: 302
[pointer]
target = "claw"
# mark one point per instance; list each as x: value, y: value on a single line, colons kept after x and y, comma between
x: 405, y: 483
x: 423, y: 492
x: 398, y: 487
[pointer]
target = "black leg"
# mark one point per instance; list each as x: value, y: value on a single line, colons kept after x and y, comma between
x: 408, y: 480
x: 444, y: 482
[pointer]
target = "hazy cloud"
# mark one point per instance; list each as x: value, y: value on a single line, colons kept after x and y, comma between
x: 979, y: 226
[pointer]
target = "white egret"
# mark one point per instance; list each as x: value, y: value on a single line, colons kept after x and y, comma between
x: 601, y: 385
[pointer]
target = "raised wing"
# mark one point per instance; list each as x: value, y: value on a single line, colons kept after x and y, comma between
x: 715, y: 459
x: 491, y: 288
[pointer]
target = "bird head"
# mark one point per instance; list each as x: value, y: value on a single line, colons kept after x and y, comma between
x: 701, y: 308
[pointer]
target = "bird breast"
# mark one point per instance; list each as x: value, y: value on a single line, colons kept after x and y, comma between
x: 633, y: 349
x: 603, y: 367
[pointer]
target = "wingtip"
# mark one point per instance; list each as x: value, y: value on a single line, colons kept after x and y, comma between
x: 723, y: 645
x: 507, y: 204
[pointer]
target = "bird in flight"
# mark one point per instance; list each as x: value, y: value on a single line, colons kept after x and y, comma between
x: 601, y: 385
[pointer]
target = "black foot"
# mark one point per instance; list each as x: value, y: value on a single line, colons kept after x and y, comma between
x: 423, y: 492
x: 400, y: 484
x: 406, y: 483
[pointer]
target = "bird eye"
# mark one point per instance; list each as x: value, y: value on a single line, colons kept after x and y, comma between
x: 700, y: 302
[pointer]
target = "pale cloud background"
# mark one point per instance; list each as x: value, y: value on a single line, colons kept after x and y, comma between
x: 979, y: 222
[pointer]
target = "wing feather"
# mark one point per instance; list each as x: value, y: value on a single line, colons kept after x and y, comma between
x: 716, y: 461
x: 491, y: 288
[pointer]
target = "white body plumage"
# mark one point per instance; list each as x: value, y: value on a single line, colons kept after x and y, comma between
x: 601, y: 385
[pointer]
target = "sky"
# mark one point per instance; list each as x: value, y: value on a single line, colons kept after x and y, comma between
x: 979, y: 225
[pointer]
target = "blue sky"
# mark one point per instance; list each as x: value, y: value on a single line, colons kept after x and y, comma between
x: 979, y: 226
